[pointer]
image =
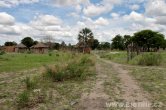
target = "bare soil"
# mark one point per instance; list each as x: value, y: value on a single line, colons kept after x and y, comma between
x: 131, y: 92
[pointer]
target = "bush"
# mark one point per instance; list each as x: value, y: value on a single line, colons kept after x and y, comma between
x: 87, y: 61
x: 29, y: 52
x: 30, y: 84
x: 23, y: 99
x: 50, y: 54
x: 148, y: 59
x: 2, y: 52
x: 75, y: 69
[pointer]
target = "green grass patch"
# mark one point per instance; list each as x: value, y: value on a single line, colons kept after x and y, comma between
x: 147, y: 59
x: 118, y: 57
x: 16, y: 62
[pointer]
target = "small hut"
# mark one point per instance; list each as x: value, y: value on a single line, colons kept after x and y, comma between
x: 20, y: 48
x: 40, y: 48
x: 82, y: 47
x: 9, y: 49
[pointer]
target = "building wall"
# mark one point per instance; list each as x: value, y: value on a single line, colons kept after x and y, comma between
x: 20, y: 50
x: 9, y: 48
x: 40, y: 50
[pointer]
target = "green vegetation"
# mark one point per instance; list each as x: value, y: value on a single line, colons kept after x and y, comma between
x: 118, y: 57
x: 2, y: 52
x: 16, y: 62
x: 147, y: 59
x: 30, y: 83
x: 30, y: 90
x: 75, y: 69
x: 153, y: 80
x: 23, y: 99
x: 144, y: 40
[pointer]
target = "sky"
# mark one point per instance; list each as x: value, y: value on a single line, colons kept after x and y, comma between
x: 63, y: 19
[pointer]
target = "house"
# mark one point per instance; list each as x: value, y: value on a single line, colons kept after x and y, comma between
x: 1, y: 48
x: 82, y: 47
x: 9, y: 49
x: 20, y: 48
x: 40, y: 48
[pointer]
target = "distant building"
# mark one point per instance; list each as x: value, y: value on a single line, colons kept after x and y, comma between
x: 9, y: 49
x: 20, y: 48
x: 40, y: 48
x: 84, y: 48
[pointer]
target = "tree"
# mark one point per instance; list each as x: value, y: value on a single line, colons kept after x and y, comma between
x: 164, y: 44
x: 63, y: 45
x: 148, y: 39
x: 95, y: 44
x: 86, y: 36
x: 127, y: 40
x: 27, y: 41
x: 104, y: 46
x: 56, y: 46
x: 35, y: 42
x: 10, y: 43
x: 118, y: 42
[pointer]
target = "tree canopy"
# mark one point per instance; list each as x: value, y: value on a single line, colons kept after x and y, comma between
x: 10, y: 43
x: 148, y: 39
x: 27, y: 41
x: 86, y: 36
x: 145, y: 39
x: 118, y: 42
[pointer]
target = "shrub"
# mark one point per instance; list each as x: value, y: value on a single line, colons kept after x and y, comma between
x: 30, y: 84
x: 23, y: 99
x: 2, y: 52
x: 148, y: 59
x: 57, y: 54
x: 29, y: 52
x: 50, y: 53
x: 75, y: 69
x: 86, y: 61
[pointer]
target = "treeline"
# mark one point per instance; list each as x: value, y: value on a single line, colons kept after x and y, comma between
x: 147, y: 40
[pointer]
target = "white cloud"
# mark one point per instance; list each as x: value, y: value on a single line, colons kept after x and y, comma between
x: 94, y: 10
x: 161, y: 20
x: 104, y: 6
x: 155, y: 8
x: 6, y: 19
x: 61, y: 3
x: 115, y: 15
x: 101, y: 22
x: 134, y: 16
x: 44, y: 20
x: 134, y: 7
x: 10, y: 3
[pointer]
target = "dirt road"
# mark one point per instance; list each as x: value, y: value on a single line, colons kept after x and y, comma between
x: 131, y: 92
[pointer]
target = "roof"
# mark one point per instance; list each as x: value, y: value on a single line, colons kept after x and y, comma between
x: 40, y: 45
x: 21, y: 46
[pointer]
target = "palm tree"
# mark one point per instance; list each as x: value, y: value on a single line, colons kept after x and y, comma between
x: 86, y: 36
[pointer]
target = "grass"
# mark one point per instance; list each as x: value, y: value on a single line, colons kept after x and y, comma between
x: 23, y: 99
x: 30, y: 90
x: 30, y: 83
x: 16, y: 62
x: 153, y: 81
x: 146, y: 59
x: 77, y: 68
x: 119, y: 57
